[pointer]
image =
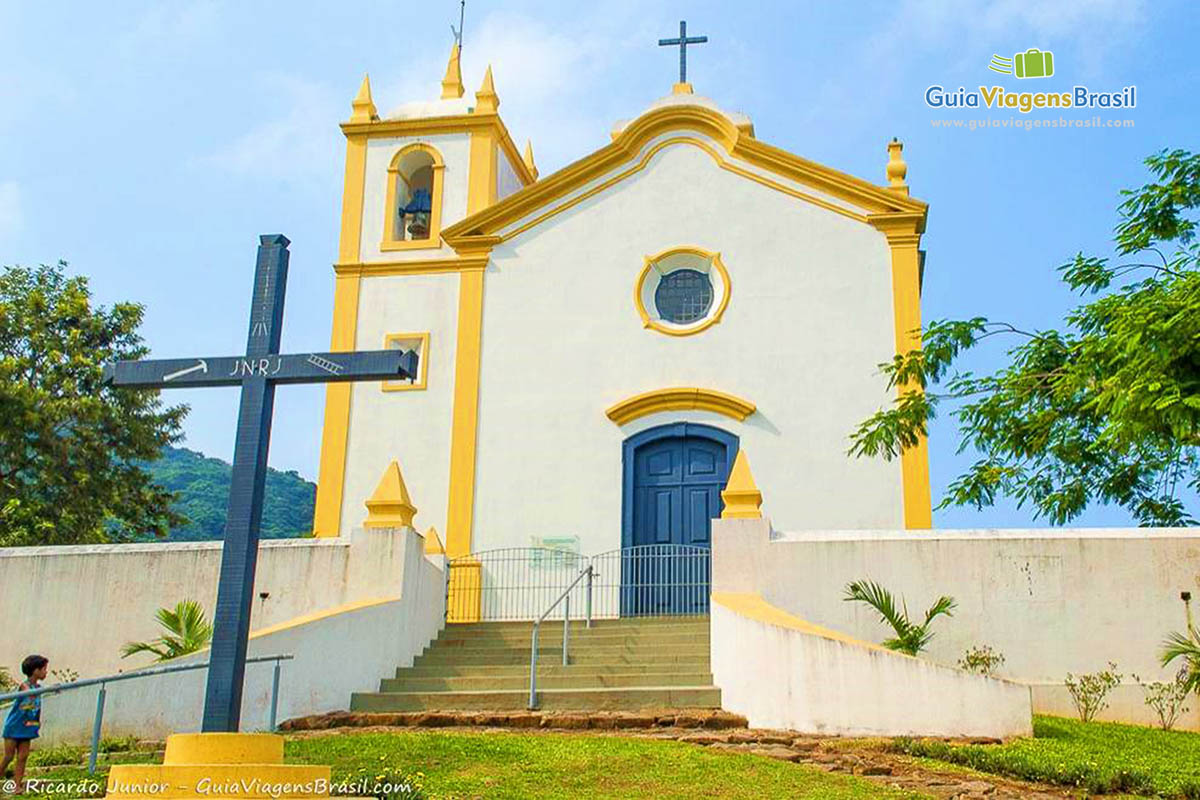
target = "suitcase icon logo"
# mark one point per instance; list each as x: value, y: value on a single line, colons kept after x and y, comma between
x: 1033, y: 63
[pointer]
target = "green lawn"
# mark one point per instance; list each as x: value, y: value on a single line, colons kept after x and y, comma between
x: 521, y: 765
x: 463, y: 764
x: 1097, y: 756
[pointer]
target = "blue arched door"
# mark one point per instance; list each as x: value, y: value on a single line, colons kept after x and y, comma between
x: 674, y: 475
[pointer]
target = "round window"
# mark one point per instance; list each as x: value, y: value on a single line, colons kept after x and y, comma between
x: 683, y: 296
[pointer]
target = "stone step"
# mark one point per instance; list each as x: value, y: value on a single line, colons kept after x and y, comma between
x: 554, y: 633
x: 620, y: 623
x: 547, y: 668
x: 599, y: 656
x: 582, y: 680
x: 607, y: 699
x: 438, y: 652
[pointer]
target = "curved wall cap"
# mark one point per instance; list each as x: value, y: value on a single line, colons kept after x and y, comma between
x: 682, y: 398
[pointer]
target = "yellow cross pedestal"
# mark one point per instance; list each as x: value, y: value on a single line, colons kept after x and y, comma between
x: 226, y: 765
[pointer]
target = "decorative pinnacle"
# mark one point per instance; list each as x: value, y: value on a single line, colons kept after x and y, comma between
x: 897, y: 168
x: 390, y: 506
x: 433, y: 543
x: 742, y: 498
x: 528, y: 158
x: 486, y: 100
x: 452, y: 85
x: 363, y: 107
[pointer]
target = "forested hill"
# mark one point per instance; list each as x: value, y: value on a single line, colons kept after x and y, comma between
x: 201, y: 486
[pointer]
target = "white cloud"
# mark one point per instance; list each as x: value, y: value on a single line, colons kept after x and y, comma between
x: 302, y: 141
x: 11, y: 218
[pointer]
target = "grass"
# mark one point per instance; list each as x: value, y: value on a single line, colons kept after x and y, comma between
x: 1101, y: 757
x: 546, y: 766
x: 461, y: 764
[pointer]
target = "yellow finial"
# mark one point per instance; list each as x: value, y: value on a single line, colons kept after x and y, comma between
x: 433, y: 543
x: 897, y: 169
x: 741, y: 496
x: 486, y: 101
x: 363, y: 107
x: 452, y: 85
x: 390, y: 505
x: 528, y: 158
x: 681, y: 88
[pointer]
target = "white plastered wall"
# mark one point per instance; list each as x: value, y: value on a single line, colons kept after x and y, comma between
x: 455, y: 149
x: 507, y: 181
x: 411, y: 426
x: 809, y: 319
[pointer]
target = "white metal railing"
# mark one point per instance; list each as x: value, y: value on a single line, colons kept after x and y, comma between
x: 564, y: 598
x: 98, y: 719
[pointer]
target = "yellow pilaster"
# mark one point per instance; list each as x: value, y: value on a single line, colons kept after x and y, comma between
x: 228, y: 765
x: 903, y: 230
x: 328, y: 512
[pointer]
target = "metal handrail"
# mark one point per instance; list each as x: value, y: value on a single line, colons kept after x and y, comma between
x: 566, y: 595
x: 97, y: 721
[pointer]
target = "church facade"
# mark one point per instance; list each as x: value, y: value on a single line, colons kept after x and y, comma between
x: 595, y: 346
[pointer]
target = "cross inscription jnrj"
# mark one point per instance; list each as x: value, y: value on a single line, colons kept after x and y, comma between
x: 257, y: 372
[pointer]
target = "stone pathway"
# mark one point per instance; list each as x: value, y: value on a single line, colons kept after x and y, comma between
x: 719, y: 730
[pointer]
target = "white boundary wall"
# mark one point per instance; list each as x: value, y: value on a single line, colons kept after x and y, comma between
x: 78, y: 605
x: 337, y: 652
x: 1052, y: 601
x: 782, y: 673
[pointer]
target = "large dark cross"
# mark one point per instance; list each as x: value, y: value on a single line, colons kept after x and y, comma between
x: 683, y: 41
x: 257, y: 373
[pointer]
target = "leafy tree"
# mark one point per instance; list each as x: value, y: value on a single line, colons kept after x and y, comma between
x: 71, y: 448
x: 201, y: 488
x: 910, y: 637
x: 187, y: 630
x: 1105, y: 410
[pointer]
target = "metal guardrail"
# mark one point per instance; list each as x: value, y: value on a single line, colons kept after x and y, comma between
x: 98, y: 719
x: 565, y: 598
x: 517, y: 583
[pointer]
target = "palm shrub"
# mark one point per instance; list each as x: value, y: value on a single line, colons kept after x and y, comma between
x: 187, y: 630
x: 1185, y: 646
x: 910, y: 637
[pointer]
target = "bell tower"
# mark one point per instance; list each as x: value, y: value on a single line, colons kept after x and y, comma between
x: 410, y: 173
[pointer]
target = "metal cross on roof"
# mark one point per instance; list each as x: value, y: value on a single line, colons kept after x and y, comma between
x: 257, y: 373
x: 683, y: 41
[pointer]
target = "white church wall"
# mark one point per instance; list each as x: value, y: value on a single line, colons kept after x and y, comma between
x: 412, y: 426
x: 343, y: 650
x: 1052, y: 601
x: 78, y: 605
x: 455, y: 151
x: 810, y: 317
x: 507, y: 181
x: 783, y: 673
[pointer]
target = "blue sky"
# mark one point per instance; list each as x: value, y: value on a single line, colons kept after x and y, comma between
x: 150, y: 144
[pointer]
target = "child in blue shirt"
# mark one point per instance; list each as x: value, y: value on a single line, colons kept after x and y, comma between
x: 24, y: 720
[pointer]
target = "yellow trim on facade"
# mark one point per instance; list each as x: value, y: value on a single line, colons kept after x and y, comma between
x: 434, y: 240
x: 464, y: 594
x: 316, y: 616
x: 429, y: 126
x: 629, y: 142
x: 335, y: 434
x: 650, y: 262
x: 903, y: 231
x: 464, y: 427
x: 751, y: 605
x: 682, y: 398
x: 424, y: 266
x: 422, y: 367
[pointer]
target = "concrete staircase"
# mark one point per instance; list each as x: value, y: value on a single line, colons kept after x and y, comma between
x: 616, y: 665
